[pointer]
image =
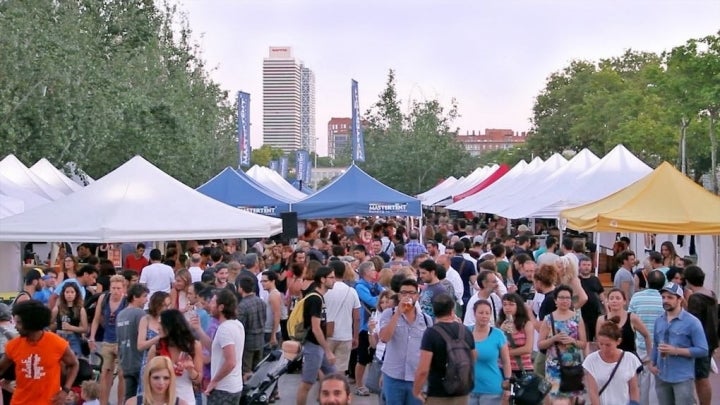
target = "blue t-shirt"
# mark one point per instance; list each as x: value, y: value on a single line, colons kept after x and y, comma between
x: 488, y: 377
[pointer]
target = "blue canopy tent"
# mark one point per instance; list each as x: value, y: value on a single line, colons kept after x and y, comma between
x: 305, y: 189
x: 232, y: 188
x: 356, y: 193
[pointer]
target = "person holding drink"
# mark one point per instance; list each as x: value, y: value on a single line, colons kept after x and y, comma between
x: 402, y: 328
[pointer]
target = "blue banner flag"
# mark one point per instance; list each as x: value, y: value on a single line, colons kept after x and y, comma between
x: 275, y: 165
x: 302, y: 163
x: 358, y: 143
x: 244, y: 129
x: 308, y: 168
x: 284, y: 166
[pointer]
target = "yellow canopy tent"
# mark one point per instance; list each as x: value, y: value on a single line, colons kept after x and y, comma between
x: 665, y: 201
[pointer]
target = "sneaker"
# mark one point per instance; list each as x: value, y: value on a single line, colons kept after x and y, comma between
x: 362, y: 391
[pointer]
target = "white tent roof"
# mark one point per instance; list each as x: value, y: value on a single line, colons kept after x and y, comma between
x: 136, y: 202
x: 46, y: 171
x: 10, y: 206
x: 18, y: 173
x: 272, y: 180
x: 617, y: 170
x: 29, y: 198
x: 458, y: 187
x: 499, y: 187
x: 442, y: 185
x: 469, y: 182
x: 551, y: 188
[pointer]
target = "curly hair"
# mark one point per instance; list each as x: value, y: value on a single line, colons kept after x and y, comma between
x: 75, y: 307
x: 177, y: 331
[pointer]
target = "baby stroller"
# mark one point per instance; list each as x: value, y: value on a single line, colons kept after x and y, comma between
x: 89, y: 370
x: 265, y: 378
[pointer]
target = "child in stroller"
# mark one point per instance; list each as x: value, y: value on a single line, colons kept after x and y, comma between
x: 266, y: 376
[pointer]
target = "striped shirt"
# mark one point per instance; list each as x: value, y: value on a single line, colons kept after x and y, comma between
x: 647, y: 304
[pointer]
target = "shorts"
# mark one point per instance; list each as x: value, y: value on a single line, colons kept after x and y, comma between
x: 702, y: 367
x: 364, y: 353
x: 109, y: 353
x: 341, y: 350
x: 314, y: 360
x: 250, y: 360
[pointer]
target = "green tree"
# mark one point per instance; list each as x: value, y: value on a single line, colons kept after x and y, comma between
x: 103, y: 81
x: 410, y: 152
x: 264, y: 154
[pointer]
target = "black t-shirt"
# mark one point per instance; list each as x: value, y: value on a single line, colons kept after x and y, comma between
x: 314, y: 307
x: 641, y: 277
x: 548, y: 305
x: 466, y: 270
x: 433, y: 342
x: 525, y: 289
x: 593, y: 288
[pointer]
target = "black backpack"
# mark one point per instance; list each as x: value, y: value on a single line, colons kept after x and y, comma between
x: 459, y: 369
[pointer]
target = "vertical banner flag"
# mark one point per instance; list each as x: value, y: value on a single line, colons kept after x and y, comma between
x: 308, y: 168
x: 302, y: 163
x: 275, y: 165
x: 358, y: 143
x: 244, y: 129
x: 284, y: 166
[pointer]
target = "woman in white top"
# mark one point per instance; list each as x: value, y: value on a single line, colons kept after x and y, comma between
x: 623, y: 386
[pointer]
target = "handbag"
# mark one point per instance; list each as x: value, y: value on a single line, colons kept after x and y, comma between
x: 612, y: 374
x: 528, y: 388
x: 373, y: 374
x: 571, y: 377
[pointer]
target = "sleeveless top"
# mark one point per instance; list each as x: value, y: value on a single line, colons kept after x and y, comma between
x: 109, y: 319
x: 628, y: 336
x: 70, y: 318
x: 267, y: 327
x: 139, y: 400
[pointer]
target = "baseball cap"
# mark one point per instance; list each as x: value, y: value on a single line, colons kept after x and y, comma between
x: 523, y: 228
x: 674, y: 289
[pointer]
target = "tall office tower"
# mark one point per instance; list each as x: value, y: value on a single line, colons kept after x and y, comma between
x: 339, y: 136
x: 288, y: 102
x: 307, y: 108
x: 281, y: 100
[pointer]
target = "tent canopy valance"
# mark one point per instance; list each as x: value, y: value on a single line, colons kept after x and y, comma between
x: 665, y: 201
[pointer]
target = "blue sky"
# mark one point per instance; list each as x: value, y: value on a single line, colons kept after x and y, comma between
x: 492, y: 56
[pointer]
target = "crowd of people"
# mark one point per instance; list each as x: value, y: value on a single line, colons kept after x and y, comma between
x: 461, y: 317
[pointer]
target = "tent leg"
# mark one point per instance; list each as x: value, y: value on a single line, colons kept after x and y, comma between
x: 420, y: 231
x: 596, y: 240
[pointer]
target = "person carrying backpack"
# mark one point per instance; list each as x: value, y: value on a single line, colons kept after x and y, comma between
x: 447, y: 357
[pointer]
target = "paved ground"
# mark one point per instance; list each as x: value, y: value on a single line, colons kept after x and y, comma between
x: 289, y: 384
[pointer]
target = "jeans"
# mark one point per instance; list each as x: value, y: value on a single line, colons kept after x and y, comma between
x: 485, y: 399
x: 131, y: 385
x: 398, y: 392
x: 675, y: 393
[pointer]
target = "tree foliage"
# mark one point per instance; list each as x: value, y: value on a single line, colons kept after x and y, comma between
x: 264, y: 154
x: 412, y: 151
x: 640, y: 99
x: 97, y: 82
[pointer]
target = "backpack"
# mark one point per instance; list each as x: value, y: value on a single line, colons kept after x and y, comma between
x: 297, y: 330
x: 459, y: 369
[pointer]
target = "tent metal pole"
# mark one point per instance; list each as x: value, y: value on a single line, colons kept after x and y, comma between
x: 596, y: 240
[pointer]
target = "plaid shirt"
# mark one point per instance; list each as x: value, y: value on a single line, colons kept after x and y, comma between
x: 251, y: 313
x: 412, y: 249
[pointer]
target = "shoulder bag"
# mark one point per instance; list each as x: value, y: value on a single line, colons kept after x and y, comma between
x: 571, y: 377
x: 529, y: 388
x: 612, y: 374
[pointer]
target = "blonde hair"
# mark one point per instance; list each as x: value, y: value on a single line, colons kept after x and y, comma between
x: 90, y: 390
x: 568, y: 271
x: 118, y: 278
x: 158, y: 363
x: 384, y: 278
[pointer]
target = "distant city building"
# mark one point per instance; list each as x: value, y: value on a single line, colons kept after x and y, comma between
x: 493, y: 139
x: 318, y: 174
x: 338, y: 136
x: 288, y: 102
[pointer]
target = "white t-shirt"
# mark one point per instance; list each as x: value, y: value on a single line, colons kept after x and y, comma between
x: 157, y: 277
x: 495, y: 303
x: 535, y: 307
x: 454, y: 278
x: 340, y: 302
x: 230, y: 332
x: 195, y: 273
x: 617, y: 392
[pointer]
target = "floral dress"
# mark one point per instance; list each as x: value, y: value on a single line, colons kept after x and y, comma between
x: 571, y: 355
x: 150, y: 334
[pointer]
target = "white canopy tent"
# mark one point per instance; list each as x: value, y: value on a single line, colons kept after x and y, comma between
x: 28, y: 196
x: 15, y: 171
x: 615, y: 171
x: 272, y: 180
x: 500, y: 187
x: 547, y: 189
x: 51, y: 175
x: 441, y: 196
x: 442, y: 185
x: 136, y: 202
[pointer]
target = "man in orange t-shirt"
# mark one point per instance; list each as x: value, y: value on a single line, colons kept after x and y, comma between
x: 39, y: 358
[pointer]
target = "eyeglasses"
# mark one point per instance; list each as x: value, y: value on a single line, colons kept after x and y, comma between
x: 564, y: 297
x: 408, y: 292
